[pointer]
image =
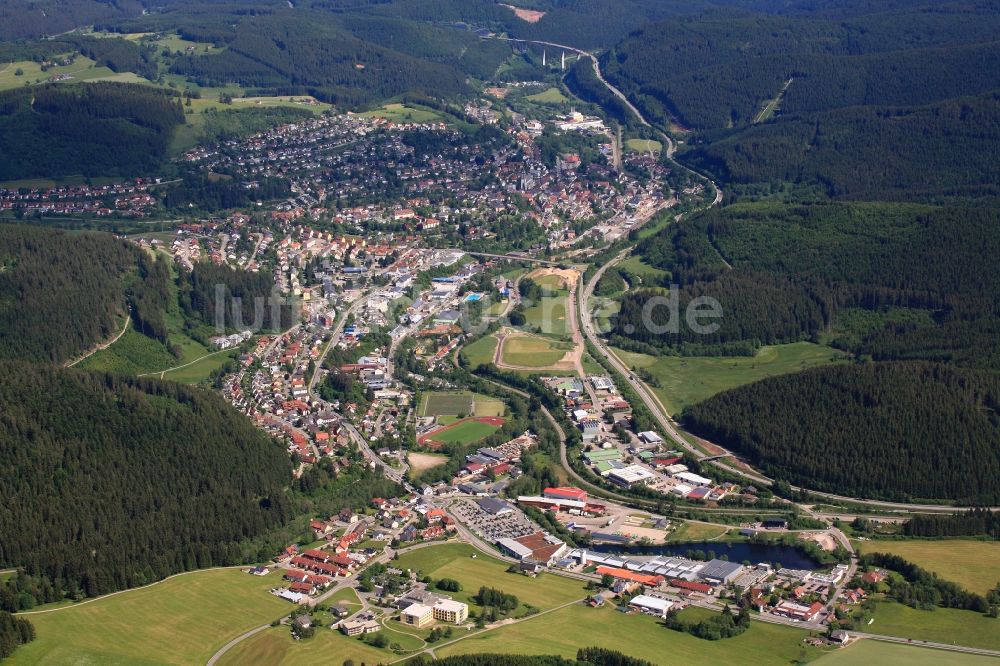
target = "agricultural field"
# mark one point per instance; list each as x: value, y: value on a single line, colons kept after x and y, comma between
x: 688, y: 380
x: 533, y: 351
x: 643, y: 145
x: 549, y: 96
x: 867, y: 652
x: 941, y: 625
x: 82, y: 69
x: 181, y: 620
x: 975, y: 565
x: 566, y: 630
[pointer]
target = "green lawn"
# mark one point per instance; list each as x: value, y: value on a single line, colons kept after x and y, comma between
x: 975, y: 565
x: 566, y: 630
x: 133, y: 354
x: 650, y: 275
x: 481, y: 351
x: 941, y: 625
x: 82, y: 69
x: 346, y: 596
x: 549, y: 315
x: 697, y: 532
x: 466, y: 432
x: 199, y: 372
x: 688, y: 380
x: 869, y: 652
x: 548, y: 96
x: 643, y: 145
x: 533, y: 351
x: 453, y: 560
x: 453, y: 403
x: 276, y: 646
x: 182, y: 620
x: 402, y: 113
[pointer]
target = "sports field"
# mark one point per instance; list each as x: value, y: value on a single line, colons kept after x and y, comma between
x: 424, y: 461
x: 548, y: 315
x: 566, y: 630
x: 975, y: 565
x: 941, y: 625
x: 690, y: 379
x: 464, y: 403
x: 533, y: 351
x: 465, y: 431
x: 182, y: 620
x: 869, y: 652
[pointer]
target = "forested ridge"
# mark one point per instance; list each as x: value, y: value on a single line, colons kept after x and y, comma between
x: 54, y: 304
x: 897, y: 430
x: 93, y: 129
x: 794, y: 270
x: 111, y: 482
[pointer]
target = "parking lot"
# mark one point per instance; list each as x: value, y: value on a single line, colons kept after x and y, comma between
x: 490, y: 527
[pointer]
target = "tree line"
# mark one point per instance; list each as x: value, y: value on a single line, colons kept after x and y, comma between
x: 894, y: 430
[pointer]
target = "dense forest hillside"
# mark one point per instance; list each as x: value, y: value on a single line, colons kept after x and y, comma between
x: 716, y: 70
x: 785, y: 272
x: 112, y: 482
x: 54, y: 304
x: 20, y: 19
x: 94, y: 129
x: 868, y: 153
x: 885, y: 430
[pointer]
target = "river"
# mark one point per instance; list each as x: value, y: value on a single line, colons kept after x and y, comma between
x: 788, y: 556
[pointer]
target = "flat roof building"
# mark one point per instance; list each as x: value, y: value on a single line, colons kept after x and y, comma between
x: 720, y: 572
x: 417, y: 615
x: 449, y: 610
x: 651, y: 605
x: 630, y: 476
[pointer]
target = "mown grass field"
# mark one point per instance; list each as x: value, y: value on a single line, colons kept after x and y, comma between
x: 697, y: 532
x: 564, y: 631
x: 643, y: 145
x: 688, y: 380
x: 199, y: 372
x: 481, y: 351
x: 941, y: 625
x: 869, y: 652
x: 275, y: 646
x: 650, y: 275
x: 548, y: 96
x: 466, y: 432
x: 402, y: 113
x: 440, y: 403
x: 454, y: 560
x: 975, y: 565
x: 549, y: 314
x: 182, y: 620
x: 532, y: 351
x: 82, y: 69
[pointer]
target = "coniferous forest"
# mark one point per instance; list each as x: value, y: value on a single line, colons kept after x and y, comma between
x: 112, y: 482
x: 901, y: 430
